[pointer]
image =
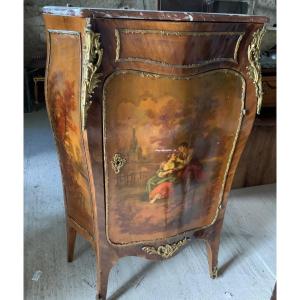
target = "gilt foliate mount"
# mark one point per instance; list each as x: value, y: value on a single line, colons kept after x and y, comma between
x: 92, y: 58
x: 254, y: 69
x: 166, y: 251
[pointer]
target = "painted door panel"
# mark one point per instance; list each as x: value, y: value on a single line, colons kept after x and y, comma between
x: 176, y: 136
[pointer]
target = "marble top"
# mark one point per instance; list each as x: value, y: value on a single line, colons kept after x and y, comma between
x: 151, y: 15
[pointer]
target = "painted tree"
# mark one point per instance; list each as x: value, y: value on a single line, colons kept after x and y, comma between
x: 168, y: 118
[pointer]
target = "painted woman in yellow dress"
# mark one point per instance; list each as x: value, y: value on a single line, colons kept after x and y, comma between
x: 160, y: 186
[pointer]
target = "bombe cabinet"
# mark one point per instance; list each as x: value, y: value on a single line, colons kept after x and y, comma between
x: 150, y: 112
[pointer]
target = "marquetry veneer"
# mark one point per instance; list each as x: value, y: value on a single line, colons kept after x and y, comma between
x: 150, y: 112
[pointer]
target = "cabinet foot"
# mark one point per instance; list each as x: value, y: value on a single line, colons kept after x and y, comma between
x: 99, y: 297
x: 104, y: 266
x: 212, y: 241
x: 214, y: 273
x: 71, y: 238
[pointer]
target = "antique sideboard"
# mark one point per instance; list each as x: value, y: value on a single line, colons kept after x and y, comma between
x: 150, y: 113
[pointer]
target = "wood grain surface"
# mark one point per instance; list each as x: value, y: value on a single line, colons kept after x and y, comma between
x: 225, y: 129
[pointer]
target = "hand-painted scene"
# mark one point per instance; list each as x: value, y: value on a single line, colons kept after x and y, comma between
x: 63, y: 89
x: 176, y: 136
x: 178, y: 167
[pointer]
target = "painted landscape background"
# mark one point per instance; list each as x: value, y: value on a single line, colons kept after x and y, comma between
x: 147, y: 119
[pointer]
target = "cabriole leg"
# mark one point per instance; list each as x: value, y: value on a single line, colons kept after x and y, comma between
x: 104, y: 266
x: 71, y: 238
x: 212, y: 241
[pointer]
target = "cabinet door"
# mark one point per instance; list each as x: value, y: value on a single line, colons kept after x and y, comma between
x: 168, y: 144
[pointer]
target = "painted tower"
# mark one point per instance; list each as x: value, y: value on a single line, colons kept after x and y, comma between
x: 135, y: 151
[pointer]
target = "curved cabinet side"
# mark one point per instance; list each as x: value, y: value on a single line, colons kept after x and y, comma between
x: 63, y: 104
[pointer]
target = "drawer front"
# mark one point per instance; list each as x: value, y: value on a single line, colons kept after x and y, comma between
x: 168, y: 144
x: 170, y: 47
x: 166, y: 47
